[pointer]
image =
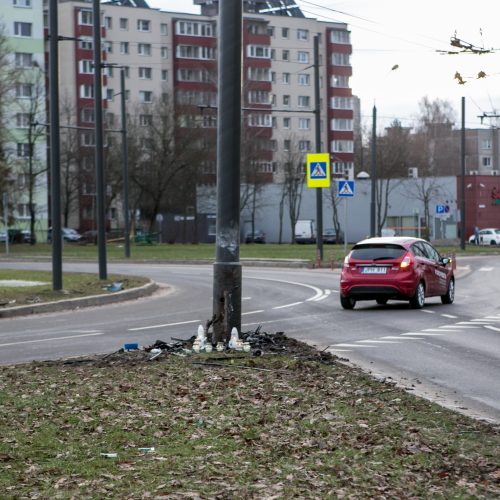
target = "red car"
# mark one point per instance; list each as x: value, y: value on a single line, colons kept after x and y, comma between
x: 396, y: 268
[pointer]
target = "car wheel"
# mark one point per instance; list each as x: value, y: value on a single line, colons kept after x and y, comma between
x: 493, y: 242
x: 347, y: 302
x: 382, y: 302
x: 449, y: 296
x: 418, y: 300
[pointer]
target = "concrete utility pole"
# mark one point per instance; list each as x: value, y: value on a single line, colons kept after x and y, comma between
x: 55, y: 161
x: 99, y: 160
x: 126, y: 218
x: 319, y: 192
x: 227, y: 267
x: 373, y: 173
x: 462, y: 173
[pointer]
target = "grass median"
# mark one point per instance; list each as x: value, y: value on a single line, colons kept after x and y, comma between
x: 231, y: 425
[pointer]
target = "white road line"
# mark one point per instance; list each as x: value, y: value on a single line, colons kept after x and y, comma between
x: 352, y: 345
x: 427, y: 311
x: 400, y: 337
x: 318, y: 291
x: 441, y: 329
x: 338, y: 350
x: 494, y: 328
x: 466, y: 324
x: 51, y: 339
x: 484, y: 321
x: 288, y: 305
x: 252, y: 312
x: 486, y: 269
x: 449, y: 316
x: 425, y: 334
x: 151, y: 327
x: 378, y: 341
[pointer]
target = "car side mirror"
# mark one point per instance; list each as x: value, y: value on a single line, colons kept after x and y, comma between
x: 445, y: 260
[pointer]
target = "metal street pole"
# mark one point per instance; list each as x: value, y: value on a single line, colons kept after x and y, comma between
x: 373, y: 172
x: 462, y: 173
x: 317, y: 111
x: 55, y: 166
x: 227, y: 267
x: 126, y: 221
x: 99, y: 161
x: 5, y: 200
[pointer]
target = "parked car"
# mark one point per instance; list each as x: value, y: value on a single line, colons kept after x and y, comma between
x: 3, y: 236
x: 27, y: 237
x: 330, y: 236
x: 488, y: 236
x: 396, y: 268
x: 305, y: 231
x: 68, y: 234
x: 258, y: 236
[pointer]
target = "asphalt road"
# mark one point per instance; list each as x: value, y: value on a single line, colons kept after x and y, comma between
x: 446, y: 353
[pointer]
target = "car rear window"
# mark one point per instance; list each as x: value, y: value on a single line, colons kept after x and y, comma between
x: 377, y: 252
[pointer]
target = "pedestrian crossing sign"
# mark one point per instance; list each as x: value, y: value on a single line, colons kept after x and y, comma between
x: 318, y: 170
x: 345, y: 188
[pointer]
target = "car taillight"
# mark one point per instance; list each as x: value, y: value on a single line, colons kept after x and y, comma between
x: 407, y: 261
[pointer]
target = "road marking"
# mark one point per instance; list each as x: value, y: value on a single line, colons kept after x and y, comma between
x: 378, y: 341
x: 253, y: 312
x: 288, y: 305
x: 440, y: 329
x: 318, y: 291
x: 352, y: 345
x: 467, y: 324
x: 51, y: 339
x: 486, y: 269
x: 151, y: 327
x: 338, y: 350
x: 494, y: 328
x: 399, y: 337
x: 428, y: 312
x: 449, y: 316
x: 426, y: 334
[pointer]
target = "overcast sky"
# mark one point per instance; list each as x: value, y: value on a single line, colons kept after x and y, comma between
x: 412, y: 35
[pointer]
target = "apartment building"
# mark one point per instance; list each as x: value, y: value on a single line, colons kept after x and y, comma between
x: 25, y: 115
x: 175, y: 55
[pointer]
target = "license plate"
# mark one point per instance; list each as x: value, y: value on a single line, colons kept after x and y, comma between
x: 374, y: 270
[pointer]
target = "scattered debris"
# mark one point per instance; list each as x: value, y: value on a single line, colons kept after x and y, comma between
x: 109, y: 455
x: 116, y: 286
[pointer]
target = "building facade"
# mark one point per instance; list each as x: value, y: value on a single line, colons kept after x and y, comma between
x: 25, y: 113
x: 175, y: 55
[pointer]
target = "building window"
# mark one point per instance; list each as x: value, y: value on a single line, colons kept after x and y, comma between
x: 304, y: 101
x: 87, y: 115
x: 24, y: 90
x: 192, y: 75
x: 286, y: 123
x: 304, y: 146
x: 22, y: 29
x: 342, y: 146
x: 486, y: 144
x: 164, y: 29
x: 108, y: 22
x: 164, y: 75
x: 303, y: 35
x: 341, y: 124
x: 124, y: 48
x: 144, y: 49
x: 22, y: 3
x: 192, y: 28
x: 86, y: 66
x: 285, y: 78
x: 23, y: 150
x: 339, y: 81
x: 259, y: 51
x: 108, y: 47
x: 145, y: 96
x: 145, y: 73
x: 124, y: 23
x: 270, y: 31
x: 258, y: 97
x: 341, y: 103
x: 143, y: 25
x: 259, y: 120
x: 285, y: 32
x: 195, y: 52
x: 286, y: 100
x: 339, y: 36
x: 85, y: 18
x: 86, y: 44
x: 23, y: 210
x: 259, y: 74
x: 287, y: 143
x: 87, y: 91
x: 110, y: 94
x: 23, y: 60
x: 87, y: 139
x: 341, y: 59
x: 164, y: 52
x: 145, y: 120
x: 303, y: 57
x: 486, y: 161
x: 304, y: 123
x: 285, y: 55
x: 304, y: 79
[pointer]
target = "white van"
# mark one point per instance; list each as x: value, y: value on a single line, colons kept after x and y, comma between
x: 305, y: 231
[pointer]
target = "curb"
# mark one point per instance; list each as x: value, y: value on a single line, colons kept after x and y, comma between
x: 71, y: 304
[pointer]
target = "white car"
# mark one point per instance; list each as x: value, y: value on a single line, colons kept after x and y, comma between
x: 488, y: 236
